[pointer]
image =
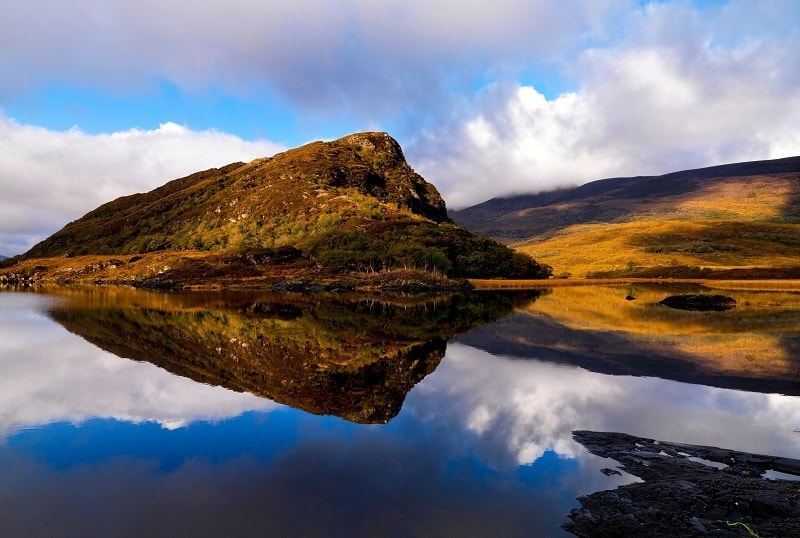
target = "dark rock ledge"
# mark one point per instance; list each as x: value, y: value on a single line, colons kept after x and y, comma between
x: 685, y: 497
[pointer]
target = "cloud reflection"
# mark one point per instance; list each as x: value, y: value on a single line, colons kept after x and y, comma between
x: 481, y: 447
x: 50, y: 375
x: 519, y: 409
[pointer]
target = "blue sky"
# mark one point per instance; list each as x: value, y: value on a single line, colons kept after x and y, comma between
x: 103, y: 99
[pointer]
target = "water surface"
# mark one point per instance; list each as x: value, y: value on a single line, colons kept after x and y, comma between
x: 262, y: 414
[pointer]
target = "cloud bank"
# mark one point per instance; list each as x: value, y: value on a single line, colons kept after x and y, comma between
x: 669, y: 97
x: 50, y: 178
x: 357, y: 54
x: 520, y: 96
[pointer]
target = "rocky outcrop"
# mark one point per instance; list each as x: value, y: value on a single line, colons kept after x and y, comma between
x: 688, y: 490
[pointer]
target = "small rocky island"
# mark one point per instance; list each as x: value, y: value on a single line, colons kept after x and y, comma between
x: 688, y: 490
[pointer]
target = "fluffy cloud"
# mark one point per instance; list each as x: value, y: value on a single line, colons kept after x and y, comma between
x: 50, y: 178
x: 667, y: 98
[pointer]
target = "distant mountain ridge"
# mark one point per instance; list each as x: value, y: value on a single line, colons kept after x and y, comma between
x: 522, y: 216
x: 749, y: 202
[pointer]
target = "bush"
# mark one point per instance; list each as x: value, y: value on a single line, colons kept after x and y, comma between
x: 438, y: 248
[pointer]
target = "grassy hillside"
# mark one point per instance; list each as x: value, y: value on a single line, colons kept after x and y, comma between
x: 283, y: 200
x: 741, y: 217
x: 351, y: 205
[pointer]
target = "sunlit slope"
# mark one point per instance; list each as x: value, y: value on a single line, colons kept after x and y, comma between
x: 733, y: 216
x: 288, y: 199
x: 675, y: 248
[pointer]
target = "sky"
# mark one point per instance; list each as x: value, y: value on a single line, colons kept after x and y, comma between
x: 104, y: 98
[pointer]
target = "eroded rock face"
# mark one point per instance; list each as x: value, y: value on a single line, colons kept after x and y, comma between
x: 685, y: 494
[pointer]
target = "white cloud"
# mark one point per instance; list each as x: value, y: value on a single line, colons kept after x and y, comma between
x: 666, y: 98
x: 50, y: 178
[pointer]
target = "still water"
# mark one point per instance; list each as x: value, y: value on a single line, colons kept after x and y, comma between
x: 128, y: 413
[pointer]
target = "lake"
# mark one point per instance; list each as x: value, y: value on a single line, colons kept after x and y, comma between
x: 133, y: 413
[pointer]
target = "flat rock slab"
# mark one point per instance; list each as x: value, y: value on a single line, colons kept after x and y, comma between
x: 688, y: 490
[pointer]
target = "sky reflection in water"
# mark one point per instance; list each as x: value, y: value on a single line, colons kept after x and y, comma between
x: 94, y: 445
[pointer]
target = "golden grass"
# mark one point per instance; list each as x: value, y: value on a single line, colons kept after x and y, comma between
x: 743, y: 199
x: 582, y: 249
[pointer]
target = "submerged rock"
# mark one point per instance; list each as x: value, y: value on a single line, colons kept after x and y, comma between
x: 700, y: 302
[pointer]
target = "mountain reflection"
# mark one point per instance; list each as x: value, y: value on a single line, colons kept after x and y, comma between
x: 353, y: 356
x: 623, y: 330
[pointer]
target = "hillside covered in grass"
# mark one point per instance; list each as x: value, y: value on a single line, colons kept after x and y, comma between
x: 325, y: 209
x: 732, y: 221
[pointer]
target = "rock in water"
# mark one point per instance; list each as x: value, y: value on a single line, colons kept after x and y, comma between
x: 700, y: 302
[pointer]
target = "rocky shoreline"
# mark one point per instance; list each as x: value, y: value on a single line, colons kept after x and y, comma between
x: 688, y: 490
x: 171, y: 270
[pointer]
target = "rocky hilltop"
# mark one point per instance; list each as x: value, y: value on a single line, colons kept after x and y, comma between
x: 348, y: 208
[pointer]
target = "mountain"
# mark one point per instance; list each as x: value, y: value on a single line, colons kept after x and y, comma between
x: 327, y: 209
x: 737, y: 218
x: 3, y: 257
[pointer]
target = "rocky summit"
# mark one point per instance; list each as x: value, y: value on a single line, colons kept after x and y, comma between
x: 325, y: 210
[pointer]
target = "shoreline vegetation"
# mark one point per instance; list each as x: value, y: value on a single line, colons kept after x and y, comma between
x: 209, y: 271
x: 201, y: 271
